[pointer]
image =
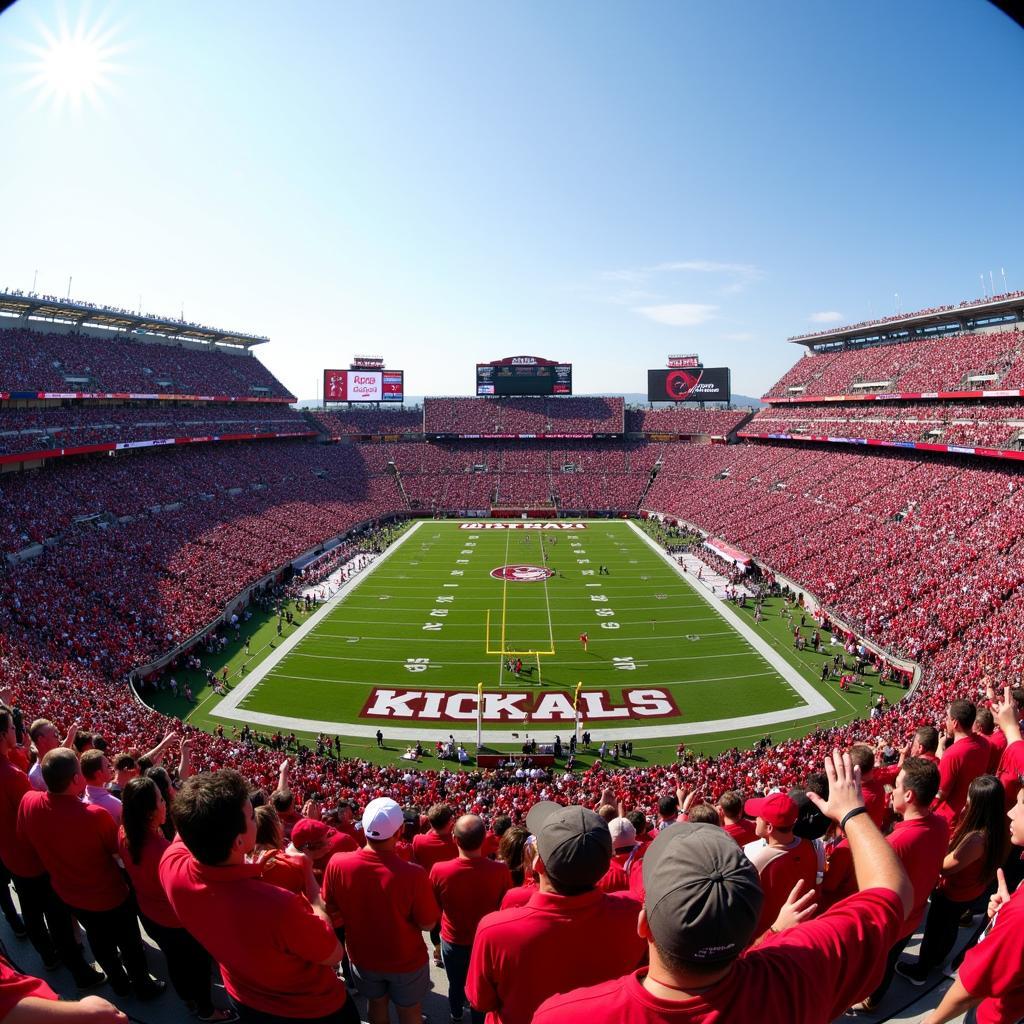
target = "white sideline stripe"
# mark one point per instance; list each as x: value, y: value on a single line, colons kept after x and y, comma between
x: 814, y: 705
x: 231, y: 703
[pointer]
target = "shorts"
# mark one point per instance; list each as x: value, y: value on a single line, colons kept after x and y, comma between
x: 406, y: 989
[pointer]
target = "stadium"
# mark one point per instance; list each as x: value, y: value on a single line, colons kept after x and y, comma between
x: 274, y: 671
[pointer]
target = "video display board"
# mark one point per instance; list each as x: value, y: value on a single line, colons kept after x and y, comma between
x: 689, y: 384
x: 364, y: 386
x: 510, y: 377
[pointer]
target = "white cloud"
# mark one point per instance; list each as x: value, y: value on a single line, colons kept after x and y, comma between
x: 679, y: 314
x: 747, y: 270
x: 829, y: 316
x: 738, y: 336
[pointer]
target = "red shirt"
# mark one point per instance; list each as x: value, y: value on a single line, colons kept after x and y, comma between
x: 1011, y: 767
x: 268, y: 941
x: 553, y: 944
x: 19, y: 858
x: 386, y: 905
x: 993, y: 967
x: 961, y: 764
x: 15, y: 986
x: 615, y: 879
x: 431, y: 849
x: 779, y: 873
x: 743, y: 831
x: 921, y: 845
x: 465, y: 889
x: 77, y: 844
x: 997, y: 741
x: 809, y: 974
x: 491, y: 844
x: 145, y: 877
x: 518, y: 895
x: 873, y: 790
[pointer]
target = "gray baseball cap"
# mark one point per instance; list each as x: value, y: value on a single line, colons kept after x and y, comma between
x: 574, y: 843
x: 703, y: 897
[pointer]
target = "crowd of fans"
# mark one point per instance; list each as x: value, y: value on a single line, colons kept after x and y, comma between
x: 369, y: 421
x: 987, y: 424
x: 685, y: 420
x: 514, y: 416
x: 81, y: 423
x: 903, y: 316
x: 35, y: 361
x: 968, y: 362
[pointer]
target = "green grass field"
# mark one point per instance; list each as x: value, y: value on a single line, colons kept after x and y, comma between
x: 431, y: 618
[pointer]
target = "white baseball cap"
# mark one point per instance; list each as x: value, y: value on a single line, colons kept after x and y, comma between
x: 382, y: 818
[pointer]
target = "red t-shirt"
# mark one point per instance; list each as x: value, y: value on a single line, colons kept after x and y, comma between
x: 518, y: 895
x: 743, y: 831
x: 465, y: 889
x: 615, y: 879
x: 993, y: 967
x: 77, y: 844
x: 553, y: 944
x: 997, y: 741
x: 491, y: 844
x: 268, y: 941
x: 961, y: 764
x: 1011, y: 767
x: 809, y: 974
x: 431, y: 849
x: 779, y: 873
x: 873, y: 790
x: 921, y: 845
x: 15, y: 986
x: 145, y: 878
x: 18, y: 856
x: 386, y: 905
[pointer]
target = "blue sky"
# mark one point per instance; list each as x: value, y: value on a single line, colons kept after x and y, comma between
x: 442, y: 183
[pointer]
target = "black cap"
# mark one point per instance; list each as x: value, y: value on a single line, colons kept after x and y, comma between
x: 573, y: 842
x: 703, y: 897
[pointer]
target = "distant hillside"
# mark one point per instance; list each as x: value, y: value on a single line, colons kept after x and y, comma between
x: 634, y: 398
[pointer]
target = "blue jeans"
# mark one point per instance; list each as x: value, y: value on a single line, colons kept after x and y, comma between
x: 456, y: 966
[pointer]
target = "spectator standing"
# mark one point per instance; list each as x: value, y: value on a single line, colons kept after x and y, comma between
x: 519, y: 957
x: 920, y: 841
x: 780, y: 857
x: 466, y: 889
x: 96, y: 769
x: 701, y: 912
x: 431, y: 848
x: 385, y: 903
x: 990, y: 979
x: 730, y: 813
x: 141, y: 844
x: 77, y: 844
x: 963, y: 756
x: 277, y: 950
x: 978, y: 847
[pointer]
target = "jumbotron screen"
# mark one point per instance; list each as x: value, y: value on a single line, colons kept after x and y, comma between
x: 364, y: 386
x: 515, y: 378
x: 689, y: 384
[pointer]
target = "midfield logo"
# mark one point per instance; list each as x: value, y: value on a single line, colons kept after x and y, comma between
x: 522, y: 526
x: 554, y: 706
x: 522, y: 573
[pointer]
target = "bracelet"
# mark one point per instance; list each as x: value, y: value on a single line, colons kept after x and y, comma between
x: 852, y: 814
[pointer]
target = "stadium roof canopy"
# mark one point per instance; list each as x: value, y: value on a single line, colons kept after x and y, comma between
x: 87, y: 314
x: 967, y: 316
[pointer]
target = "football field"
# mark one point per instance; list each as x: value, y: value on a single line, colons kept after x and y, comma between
x: 453, y: 608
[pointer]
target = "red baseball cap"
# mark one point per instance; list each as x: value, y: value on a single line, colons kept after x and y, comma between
x: 778, y: 809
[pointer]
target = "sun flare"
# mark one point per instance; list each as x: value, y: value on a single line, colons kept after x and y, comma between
x: 72, y: 67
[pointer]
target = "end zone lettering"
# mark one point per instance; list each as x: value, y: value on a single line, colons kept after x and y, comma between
x: 522, y: 526
x: 555, y: 706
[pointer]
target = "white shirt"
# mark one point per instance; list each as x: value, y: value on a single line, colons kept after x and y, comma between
x: 103, y: 798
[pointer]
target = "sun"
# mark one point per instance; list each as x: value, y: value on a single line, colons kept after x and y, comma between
x: 72, y: 67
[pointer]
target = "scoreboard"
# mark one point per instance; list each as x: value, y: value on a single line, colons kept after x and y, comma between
x: 364, y: 386
x: 524, y: 375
